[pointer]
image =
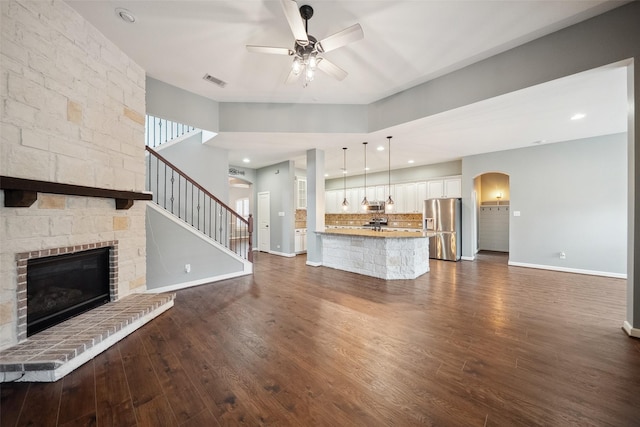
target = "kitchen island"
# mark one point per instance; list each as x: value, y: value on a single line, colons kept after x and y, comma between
x: 384, y: 254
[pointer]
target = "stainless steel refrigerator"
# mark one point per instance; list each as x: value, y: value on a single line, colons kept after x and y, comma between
x: 444, y: 216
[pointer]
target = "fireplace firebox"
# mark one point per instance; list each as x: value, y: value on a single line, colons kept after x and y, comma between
x: 62, y: 286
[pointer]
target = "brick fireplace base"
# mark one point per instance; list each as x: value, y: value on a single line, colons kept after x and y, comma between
x: 51, y: 354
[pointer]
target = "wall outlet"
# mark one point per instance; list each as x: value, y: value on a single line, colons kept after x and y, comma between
x: 277, y: 246
x: 516, y: 213
x: 187, y: 268
x: 563, y: 255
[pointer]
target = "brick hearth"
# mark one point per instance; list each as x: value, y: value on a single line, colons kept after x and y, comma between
x: 51, y: 354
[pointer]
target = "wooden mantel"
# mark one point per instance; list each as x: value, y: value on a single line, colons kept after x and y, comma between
x: 22, y: 193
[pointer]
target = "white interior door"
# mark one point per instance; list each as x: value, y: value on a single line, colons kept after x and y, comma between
x: 264, y: 218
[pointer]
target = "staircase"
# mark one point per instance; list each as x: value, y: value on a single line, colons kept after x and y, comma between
x: 181, y: 196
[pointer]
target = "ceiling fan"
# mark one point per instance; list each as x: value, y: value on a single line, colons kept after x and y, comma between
x: 307, y: 48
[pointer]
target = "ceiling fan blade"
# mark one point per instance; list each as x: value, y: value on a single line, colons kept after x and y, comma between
x: 296, y: 24
x: 330, y: 68
x: 270, y: 50
x: 341, y: 38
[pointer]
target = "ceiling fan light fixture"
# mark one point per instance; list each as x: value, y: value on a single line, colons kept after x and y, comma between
x: 312, y: 62
x: 306, y: 47
x: 297, y: 66
x: 309, y: 74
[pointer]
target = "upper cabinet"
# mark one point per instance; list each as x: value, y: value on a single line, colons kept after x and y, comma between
x: 301, y: 193
x: 331, y: 201
x: 447, y: 187
x: 408, y: 197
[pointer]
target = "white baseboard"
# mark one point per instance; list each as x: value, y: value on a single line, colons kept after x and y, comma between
x: 467, y: 258
x: 282, y: 254
x: 313, y: 264
x: 199, y: 282
x: 630, y: 330
x: 569, y: 270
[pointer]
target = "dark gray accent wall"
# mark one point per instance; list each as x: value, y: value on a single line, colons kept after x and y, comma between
x: 171, y: 245
x: 572, y: 198
x: 278, y: 180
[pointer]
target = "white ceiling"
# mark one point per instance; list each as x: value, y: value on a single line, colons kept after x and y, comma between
x: 405, y: 43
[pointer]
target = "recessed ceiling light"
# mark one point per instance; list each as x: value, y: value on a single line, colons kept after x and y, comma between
x: 246, y: 160
x: 367, y: 168
x: 344, y: 171
x: 578, y: 116
x: 540, y: 141
x: 125, y: 15
x: 380, y: 148
x: 411, y: 161
x: 326, y: 175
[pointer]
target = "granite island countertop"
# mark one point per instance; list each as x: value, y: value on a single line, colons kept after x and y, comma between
x: 385, y: 233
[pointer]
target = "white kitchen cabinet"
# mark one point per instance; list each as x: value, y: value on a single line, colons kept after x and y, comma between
x: 399, y: 197
x: 381, y: 193
x: 447, y: 187
x: 301, y: 193
x: 331, y: 203
x: 422, y: 193
x: 411, y: 197
x: 300, y: 243
x: 453, y: 187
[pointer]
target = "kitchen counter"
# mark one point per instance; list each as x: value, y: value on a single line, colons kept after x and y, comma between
x: 388, y: 255
x: 385, y: 233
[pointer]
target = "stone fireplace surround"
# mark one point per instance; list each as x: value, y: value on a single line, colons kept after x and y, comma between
x: 49, y: 355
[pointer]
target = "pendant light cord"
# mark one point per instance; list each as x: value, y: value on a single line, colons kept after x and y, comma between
x: 344, y: 173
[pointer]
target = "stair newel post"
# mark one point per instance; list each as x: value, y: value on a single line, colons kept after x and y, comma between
x: 250, y: 231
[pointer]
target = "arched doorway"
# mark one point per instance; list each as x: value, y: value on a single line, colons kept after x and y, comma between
x: 492, y: 212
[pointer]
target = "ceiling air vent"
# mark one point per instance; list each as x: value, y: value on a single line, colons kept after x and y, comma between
x: 210, y: 78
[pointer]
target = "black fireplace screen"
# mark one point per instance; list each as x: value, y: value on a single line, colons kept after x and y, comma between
x: 60, y: 287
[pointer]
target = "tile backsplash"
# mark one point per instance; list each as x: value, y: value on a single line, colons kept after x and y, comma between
x: 301, y: 218
x: 394, y: 220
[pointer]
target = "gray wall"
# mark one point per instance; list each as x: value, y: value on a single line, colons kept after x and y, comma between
x: 249, y: 174
x: 278, y: 180
x: 207, y: 165
x: 172, y: 103
x: 418, y: 173
x: 572, y: 197
x: 170, y: 246
x: 257, y: 117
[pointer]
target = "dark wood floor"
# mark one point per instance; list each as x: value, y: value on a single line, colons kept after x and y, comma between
x: 468, y: 344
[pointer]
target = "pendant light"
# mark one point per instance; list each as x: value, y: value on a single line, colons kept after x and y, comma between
x: 365, y: 202
x: 345, y: 203
x: 390, y: 202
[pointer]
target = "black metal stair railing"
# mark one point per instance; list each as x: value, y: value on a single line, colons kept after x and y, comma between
x: 177, y: 193
x: 159, y: 131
